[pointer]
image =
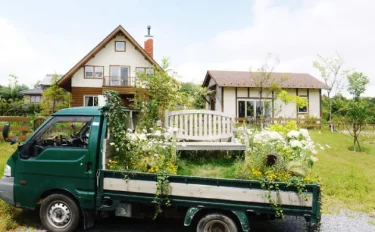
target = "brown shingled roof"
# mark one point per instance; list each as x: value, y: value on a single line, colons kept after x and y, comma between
x: 246, y: 79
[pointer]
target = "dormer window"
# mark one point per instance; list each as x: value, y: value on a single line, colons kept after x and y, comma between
x: 120, y: 46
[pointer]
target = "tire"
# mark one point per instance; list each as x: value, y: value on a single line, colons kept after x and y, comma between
x: 216, y: 222
x: 59, y: 213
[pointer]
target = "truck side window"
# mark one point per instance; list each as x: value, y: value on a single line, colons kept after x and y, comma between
x: 62, y: 132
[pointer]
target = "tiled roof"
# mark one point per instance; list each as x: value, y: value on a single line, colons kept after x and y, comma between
x: 249, y: 79
x: 48, y: 78
x: 37, y: 91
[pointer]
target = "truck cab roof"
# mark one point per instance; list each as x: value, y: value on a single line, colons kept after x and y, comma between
x: 83, y: 111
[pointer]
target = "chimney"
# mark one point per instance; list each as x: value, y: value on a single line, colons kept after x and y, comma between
x: 149, y: 43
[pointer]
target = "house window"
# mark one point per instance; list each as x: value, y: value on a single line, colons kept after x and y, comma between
x: 120, y: 46
x: 119, y: 76
x: 34, y: 99
x: 94, y: 71
x: 91, y: 100
x: 148, y: 71
x: 303, y: 110
x: 249, y: 108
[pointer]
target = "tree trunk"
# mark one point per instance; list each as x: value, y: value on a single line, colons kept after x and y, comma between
x: 330, y: 111
x: 354, y: 144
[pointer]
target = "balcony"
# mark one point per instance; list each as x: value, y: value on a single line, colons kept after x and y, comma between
x: 117, y: 81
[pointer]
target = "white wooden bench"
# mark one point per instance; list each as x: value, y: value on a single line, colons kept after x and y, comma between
x: 204, y: 130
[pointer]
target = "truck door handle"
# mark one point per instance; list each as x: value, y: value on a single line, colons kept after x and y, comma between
x: 88, y: 166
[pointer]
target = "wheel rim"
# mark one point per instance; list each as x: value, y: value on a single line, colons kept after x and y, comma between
x: 59, y: 214
x: 216, y: 226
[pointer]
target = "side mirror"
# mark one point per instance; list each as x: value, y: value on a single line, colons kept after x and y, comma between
x: 6, y: 129
x: 14, y: 140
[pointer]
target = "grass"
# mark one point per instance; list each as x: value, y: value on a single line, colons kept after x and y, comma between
x: 208, y: 165
x: 347, y: 177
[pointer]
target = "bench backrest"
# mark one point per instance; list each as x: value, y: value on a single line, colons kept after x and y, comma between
x: 200, y: 124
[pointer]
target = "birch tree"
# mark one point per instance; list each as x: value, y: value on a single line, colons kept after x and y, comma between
x: 331, y: 70
x: 266, y: 83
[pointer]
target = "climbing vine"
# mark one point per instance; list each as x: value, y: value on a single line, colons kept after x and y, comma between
x: 144, y: 150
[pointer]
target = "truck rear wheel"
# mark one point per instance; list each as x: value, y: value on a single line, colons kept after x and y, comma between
x: 59, y: 213
x: 216, y: 223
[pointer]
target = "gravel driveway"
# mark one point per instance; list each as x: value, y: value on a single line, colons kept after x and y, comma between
x: 346, y: 221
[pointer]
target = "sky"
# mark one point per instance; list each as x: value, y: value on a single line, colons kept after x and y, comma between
x: 40, y: 37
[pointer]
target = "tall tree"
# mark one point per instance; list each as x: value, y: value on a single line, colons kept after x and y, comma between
x: 358, y: 112
x: 331, y: 71
x: 357, y: 84
x: 267, y: 85
x: 54, y: 98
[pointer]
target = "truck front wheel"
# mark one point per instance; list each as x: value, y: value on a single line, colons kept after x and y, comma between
x: 216, y: 223
x: 59, y: 213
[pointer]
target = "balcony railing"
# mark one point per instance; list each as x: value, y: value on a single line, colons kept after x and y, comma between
x: 117, y: 81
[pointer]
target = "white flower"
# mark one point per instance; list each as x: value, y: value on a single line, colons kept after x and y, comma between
x: 314, y: 152
x: 157, y: 133
x: 328, y: 146
x: 142, y: 136
x: 156, y: 155
x: 313, y: 159
x: 295, y: 143
x: 111, y: 144
x: 117, y: 149
x: 304, y: 133
x: 293, y: 134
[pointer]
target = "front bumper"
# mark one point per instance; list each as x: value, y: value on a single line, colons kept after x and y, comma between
x: 6, y: 189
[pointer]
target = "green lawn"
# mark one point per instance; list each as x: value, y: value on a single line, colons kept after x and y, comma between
x: 348, y: 178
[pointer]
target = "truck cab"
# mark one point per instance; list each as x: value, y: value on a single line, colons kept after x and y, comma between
x: 60, y: 157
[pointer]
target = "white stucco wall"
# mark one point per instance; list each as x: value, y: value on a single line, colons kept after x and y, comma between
x: 314, y: 103
x: 242, y: 92
x: 230, y: 101
x: 285, y: 110
x: 106, y: 57
x: 218, y: 99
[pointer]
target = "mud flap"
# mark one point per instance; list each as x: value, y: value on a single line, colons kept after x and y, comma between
x: 88, y: 219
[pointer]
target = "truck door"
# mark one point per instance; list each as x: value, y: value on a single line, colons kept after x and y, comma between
x: 57, y: 158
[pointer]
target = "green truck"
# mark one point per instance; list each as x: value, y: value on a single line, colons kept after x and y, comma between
x: 61, y: 171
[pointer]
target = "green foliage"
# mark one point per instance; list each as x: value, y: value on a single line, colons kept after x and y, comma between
x: 357, y: 84
x: 54, y: 98
x: 284, y: 129
x: 161, y: 94
x: 160, y: 91
x: 12, y: 91
x: 144, y: 151
x: 357, y: 116
x: 195, y: 94
x: 287, y: 98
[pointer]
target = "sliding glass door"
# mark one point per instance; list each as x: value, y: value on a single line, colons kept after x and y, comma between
x: 119, y: 76
x: 250, y: 108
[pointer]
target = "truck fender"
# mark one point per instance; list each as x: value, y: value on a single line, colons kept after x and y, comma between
x: 190, y: 215
x: 244, y: 221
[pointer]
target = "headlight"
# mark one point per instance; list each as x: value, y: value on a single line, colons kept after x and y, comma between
x: 7, y: 171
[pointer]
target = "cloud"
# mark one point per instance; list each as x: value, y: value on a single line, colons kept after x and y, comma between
x: 16, y: 54
x: 295, y: 35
